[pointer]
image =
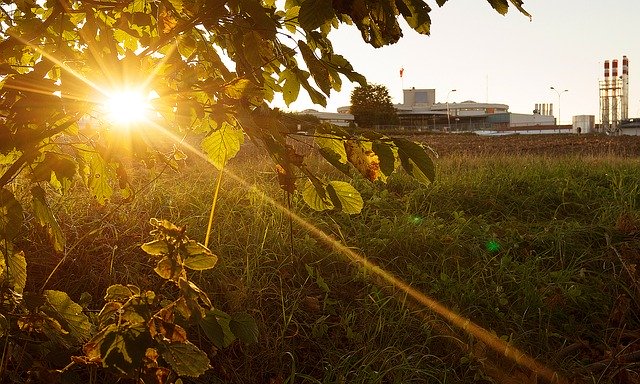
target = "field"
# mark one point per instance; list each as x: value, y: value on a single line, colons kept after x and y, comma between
x: 536, y: 239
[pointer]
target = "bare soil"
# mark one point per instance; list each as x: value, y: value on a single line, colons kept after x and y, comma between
x: 549, y: 145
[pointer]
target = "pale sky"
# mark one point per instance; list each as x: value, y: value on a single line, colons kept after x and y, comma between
x: 504, y: 59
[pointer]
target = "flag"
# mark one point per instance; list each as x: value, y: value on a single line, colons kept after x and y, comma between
x: 401, y: 71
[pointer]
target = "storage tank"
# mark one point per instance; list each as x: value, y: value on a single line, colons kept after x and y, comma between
x: 584, y: 124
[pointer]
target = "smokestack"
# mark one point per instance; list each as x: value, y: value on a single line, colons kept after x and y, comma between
x: 625, y: 65
x: 624, y: 110
x: 614, y: 94
x: 606, y: 69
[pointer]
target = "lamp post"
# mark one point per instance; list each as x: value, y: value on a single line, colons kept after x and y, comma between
x: 559, y: 94
x: 448, y: 115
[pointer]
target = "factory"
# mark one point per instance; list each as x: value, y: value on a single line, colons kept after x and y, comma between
x: 420, y: 111
x: 614, y: 100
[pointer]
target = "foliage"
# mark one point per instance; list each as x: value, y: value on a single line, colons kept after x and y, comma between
x: 371, y: 106
x: 137, y: 333
x: 210, y: 68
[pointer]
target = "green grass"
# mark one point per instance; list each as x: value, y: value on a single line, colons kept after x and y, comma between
x: 540, y: 251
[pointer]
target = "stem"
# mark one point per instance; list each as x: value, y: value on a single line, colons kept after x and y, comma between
x: 213, y: 206
x: 290, y: 223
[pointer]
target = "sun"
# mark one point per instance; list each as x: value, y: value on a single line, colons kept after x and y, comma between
x: 127, y: 107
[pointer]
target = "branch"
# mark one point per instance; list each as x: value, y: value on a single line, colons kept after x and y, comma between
x: 33, y: 152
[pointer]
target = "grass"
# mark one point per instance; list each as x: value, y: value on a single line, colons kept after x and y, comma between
x: 541, y: 251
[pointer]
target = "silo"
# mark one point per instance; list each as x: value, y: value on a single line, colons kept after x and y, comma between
x: 584, y: 124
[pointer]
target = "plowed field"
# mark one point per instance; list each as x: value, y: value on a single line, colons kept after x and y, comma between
x: 551, y: 145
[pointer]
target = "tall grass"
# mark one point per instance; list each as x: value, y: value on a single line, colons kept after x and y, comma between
x: 541, y: 251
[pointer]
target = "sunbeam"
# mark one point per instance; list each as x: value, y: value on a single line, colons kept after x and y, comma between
x: 419, y: 298
x: 125, y: 108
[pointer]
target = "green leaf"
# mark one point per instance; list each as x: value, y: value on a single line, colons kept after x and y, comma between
x: 386, y: 156
x: 15, y: 271
x: 185, y: 358
x: 415, y: 160
x: 416, y: 13
x: 215, y: 324
x: 10, y: 215
x: 244, y: 327
x: 119, y: 347
x: 168, y: 269
x: 314, y: 13
x: 223, y: 144
x: 156, y: 248
x: 291, y: 86
x: 119, y: 292
x: 55, y: 166
x: 96, y: 175
x: 69, y: 314
x: 502, y: 6
x: 331, y: 147
x: 199, y: 257
x: 348, y: 198
x: 128, y: 41
x: 315, y: 199
x: 318, y: 70
x: 45, y: 218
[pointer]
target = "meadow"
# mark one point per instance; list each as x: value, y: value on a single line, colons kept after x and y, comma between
x: 536, y: 240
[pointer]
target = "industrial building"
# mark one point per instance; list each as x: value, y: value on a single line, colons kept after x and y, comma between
x: 614, y: 97
x: 420, y: 111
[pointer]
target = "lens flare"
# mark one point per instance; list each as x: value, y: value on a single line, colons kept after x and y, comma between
x: 492, y: 246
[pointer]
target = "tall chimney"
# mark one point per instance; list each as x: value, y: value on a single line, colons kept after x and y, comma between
x: 606, y: 113
x: 624, y: 108
x: 614, y: 94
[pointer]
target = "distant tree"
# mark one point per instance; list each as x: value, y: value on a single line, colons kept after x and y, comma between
x: 371, y: 105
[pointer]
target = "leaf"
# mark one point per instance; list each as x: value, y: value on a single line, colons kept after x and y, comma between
x: 366, y: 161
x: 415, y: 160
x: 291, y: 86
x: 386, y: 156
x: 215, y: 324
x: 69, y: 314
x: 156, y: 248
x: 317, y: 69
x: 223, y: 144
x: 118, y: 347
x: 348, y: 197
x: 62, y: 166
x: 314, y: 198
x: 96, y: 175
x: 185, y: 358
x: 109, y: 309
x: 314, y: 13
x: 168, y: 269
x: 199, y: 257
x: 15, y: 271
x: 119, y: 292
x: 45, y: 218
x: 331, y: 147
x: 244, y: 327
x: 10, y: 215
x: 501, y: 6
x: 416, y: 13
x: 168, y: 331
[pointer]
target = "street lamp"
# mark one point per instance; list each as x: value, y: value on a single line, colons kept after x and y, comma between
x: 448, y: 115
x: 559, y: 94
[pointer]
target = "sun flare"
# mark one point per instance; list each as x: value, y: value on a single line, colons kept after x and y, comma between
x: 127, y: 107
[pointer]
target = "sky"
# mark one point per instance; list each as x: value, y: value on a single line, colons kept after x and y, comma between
x: 487, y: 57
